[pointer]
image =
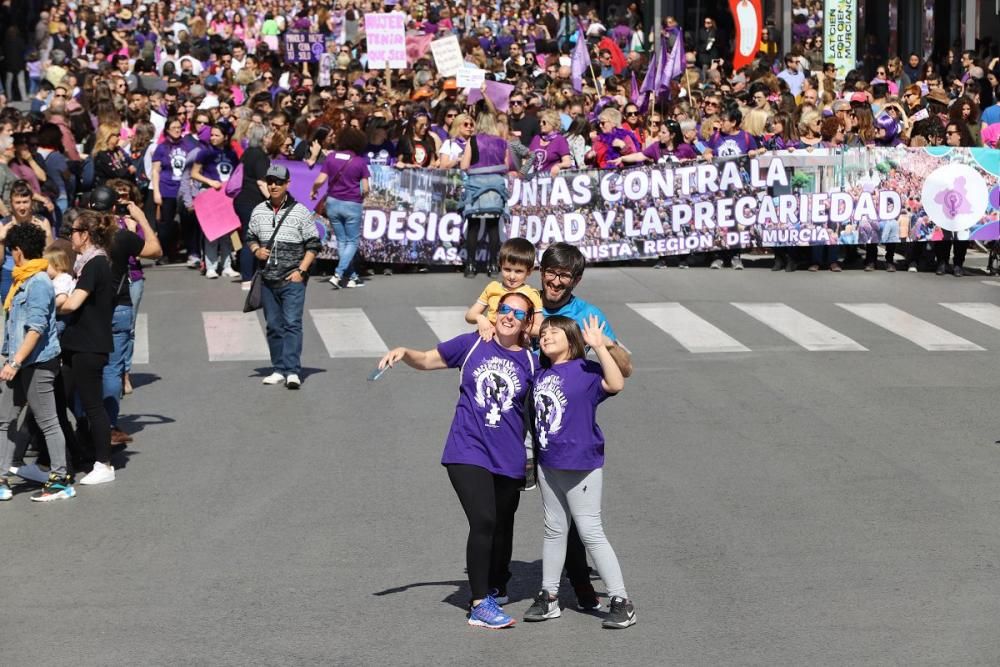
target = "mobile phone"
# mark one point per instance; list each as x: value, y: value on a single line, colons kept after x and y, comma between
x: 377, y: 373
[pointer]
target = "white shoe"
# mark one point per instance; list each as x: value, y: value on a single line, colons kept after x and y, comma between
x: 211, y: 274
x: 101, y: 474
x: 31, y: 472
x: 228, y: 272
x: 293, y: 381
x: 273, y: 378
x: 193, y: 262
x: 245, y: 285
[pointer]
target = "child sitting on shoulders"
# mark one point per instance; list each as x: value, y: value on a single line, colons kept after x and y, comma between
x: 517, y: 259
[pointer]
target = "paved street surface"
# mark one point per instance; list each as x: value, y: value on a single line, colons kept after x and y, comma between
x: 802, y: 471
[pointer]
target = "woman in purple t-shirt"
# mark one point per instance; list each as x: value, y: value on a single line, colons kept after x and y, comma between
x: 484, y: 453
x: 565, y: 396
x: 347, y: 173
x: 550, y: 149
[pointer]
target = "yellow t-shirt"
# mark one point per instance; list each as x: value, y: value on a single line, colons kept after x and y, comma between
x: 491, y: 298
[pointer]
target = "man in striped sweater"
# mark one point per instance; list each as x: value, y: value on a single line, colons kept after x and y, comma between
x: 287, y: 256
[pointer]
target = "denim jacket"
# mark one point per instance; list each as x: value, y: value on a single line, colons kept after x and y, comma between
x: 33, y: 309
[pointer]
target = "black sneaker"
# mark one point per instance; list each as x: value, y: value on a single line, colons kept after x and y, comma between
x: 355, y: 282
x: 622, y: 614
x: 334, y: 282
x: 543, y: 608
x: 530, y: 476
x: 586, y: 597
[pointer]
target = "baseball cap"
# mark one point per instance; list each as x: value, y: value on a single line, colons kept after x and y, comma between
x: 278, y: 172
x: 450, y: 84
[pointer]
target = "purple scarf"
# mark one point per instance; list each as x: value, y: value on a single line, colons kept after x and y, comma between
x: 608, y: 139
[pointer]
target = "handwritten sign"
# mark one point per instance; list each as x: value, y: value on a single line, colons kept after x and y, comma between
x: 386, y: 37
x: 470, y: 77
x: 447, y: 55
x: 304, y: 47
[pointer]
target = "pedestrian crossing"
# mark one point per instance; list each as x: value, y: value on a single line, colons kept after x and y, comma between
x: 348, y: 333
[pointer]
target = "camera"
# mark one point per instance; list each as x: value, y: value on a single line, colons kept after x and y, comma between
x: 121, y: 208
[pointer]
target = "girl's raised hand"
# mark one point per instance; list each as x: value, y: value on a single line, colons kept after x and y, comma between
x: 593, y: 333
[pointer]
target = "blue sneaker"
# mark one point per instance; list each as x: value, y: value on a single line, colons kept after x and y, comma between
x: 5, y: 492
x: 489, y: 615
x: 57, y: 488
x: 500, y: 596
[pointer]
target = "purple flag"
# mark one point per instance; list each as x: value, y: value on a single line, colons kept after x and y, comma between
x: 675, y: 64
x: 651, y: 82
x: 580, y: 61
x: 634, y: 94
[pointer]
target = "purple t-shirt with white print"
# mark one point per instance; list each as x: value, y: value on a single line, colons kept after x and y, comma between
x: 488, y: 427
x: 550, y: 154
x: 566, y: 397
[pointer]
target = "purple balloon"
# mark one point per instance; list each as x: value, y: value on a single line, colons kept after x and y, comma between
x: 995, y: 197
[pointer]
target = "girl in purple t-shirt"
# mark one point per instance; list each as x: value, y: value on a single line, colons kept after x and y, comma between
x: 570, y: 456
x: 484, y: 453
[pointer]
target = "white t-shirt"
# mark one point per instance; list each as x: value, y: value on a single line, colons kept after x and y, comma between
x: 63, y: 283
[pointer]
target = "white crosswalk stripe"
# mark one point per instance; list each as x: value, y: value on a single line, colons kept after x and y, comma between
x: 234, y: 336
x: 697, y: 335
x: 445, y: 321
x: 799, y: 328
x: 921, y: 332
x: 140, y: 351
x: 347, y: 332
x: 984, y: 313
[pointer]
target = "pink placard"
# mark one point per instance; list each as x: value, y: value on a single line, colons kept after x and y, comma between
x: 385, y: 35
x: 215, y: 214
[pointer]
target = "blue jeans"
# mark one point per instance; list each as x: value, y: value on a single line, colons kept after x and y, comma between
x: 135, y: 290
x: 121, y: 327
x: 345, y: 216
x: 283, y: 305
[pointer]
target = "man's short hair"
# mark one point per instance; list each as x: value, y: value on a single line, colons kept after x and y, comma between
x: 28, y: 237
x: 564, y: 256
x: 519, y: 252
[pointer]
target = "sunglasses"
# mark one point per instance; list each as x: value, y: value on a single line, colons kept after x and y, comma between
x: 517, y: 103
x: 274, y: 181
x: 519, y: 315
x: 77, y: 230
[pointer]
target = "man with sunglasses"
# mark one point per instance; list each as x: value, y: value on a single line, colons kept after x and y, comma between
x: 522, y: 126
x: 562, y: 269
x: 286, y: 256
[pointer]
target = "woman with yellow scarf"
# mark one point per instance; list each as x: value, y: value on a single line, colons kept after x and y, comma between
x: 31, y: 347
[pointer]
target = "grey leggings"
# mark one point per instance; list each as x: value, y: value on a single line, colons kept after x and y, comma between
x: 32, y: 386
x: 575, y: 494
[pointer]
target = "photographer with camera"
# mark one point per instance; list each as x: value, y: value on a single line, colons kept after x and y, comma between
x: 133, y: 239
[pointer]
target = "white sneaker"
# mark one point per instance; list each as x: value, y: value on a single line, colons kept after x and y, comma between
x: 101, y: 474
x: 211, y: 273
x: 229, y: 272
x: 245, y: 285
x: 193, y: 262
x: 273, y: 378
x: 31, y: 472
x: 293, y: 381
x: 737, y: 264
x: 716, y: 264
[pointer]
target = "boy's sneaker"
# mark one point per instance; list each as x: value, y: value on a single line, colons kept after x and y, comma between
x: 31, y: 472
x: 499, y: 595
x: 355, y: 282
x: 586, y: 598
x: 489, y: 615
x: 5, y: 492
x: 622, y: 614
x: 57, y: 488
x: 543, y: 608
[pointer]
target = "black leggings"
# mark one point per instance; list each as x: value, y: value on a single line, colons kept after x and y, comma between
x: 166, y: 227
x: 83, y: 376
x: 490, y: 502
x: 473, y: 223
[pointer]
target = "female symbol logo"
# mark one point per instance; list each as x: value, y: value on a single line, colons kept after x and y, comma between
x: 955, y: 197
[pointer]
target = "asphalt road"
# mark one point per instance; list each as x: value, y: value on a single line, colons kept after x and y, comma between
x: 771, y: 505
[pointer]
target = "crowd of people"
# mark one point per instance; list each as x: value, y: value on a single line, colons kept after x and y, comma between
x: 115, y: 118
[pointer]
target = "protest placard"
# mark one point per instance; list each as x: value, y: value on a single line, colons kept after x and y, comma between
x: 447, y: 55
x: 386, y: 38
x: 304, y: 47
x: 470, y: 77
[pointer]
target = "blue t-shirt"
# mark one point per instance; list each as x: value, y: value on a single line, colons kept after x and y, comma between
x: 991, y: 115
x: 565, y: 398
x: 488, y: 427
x: 580, y: 311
